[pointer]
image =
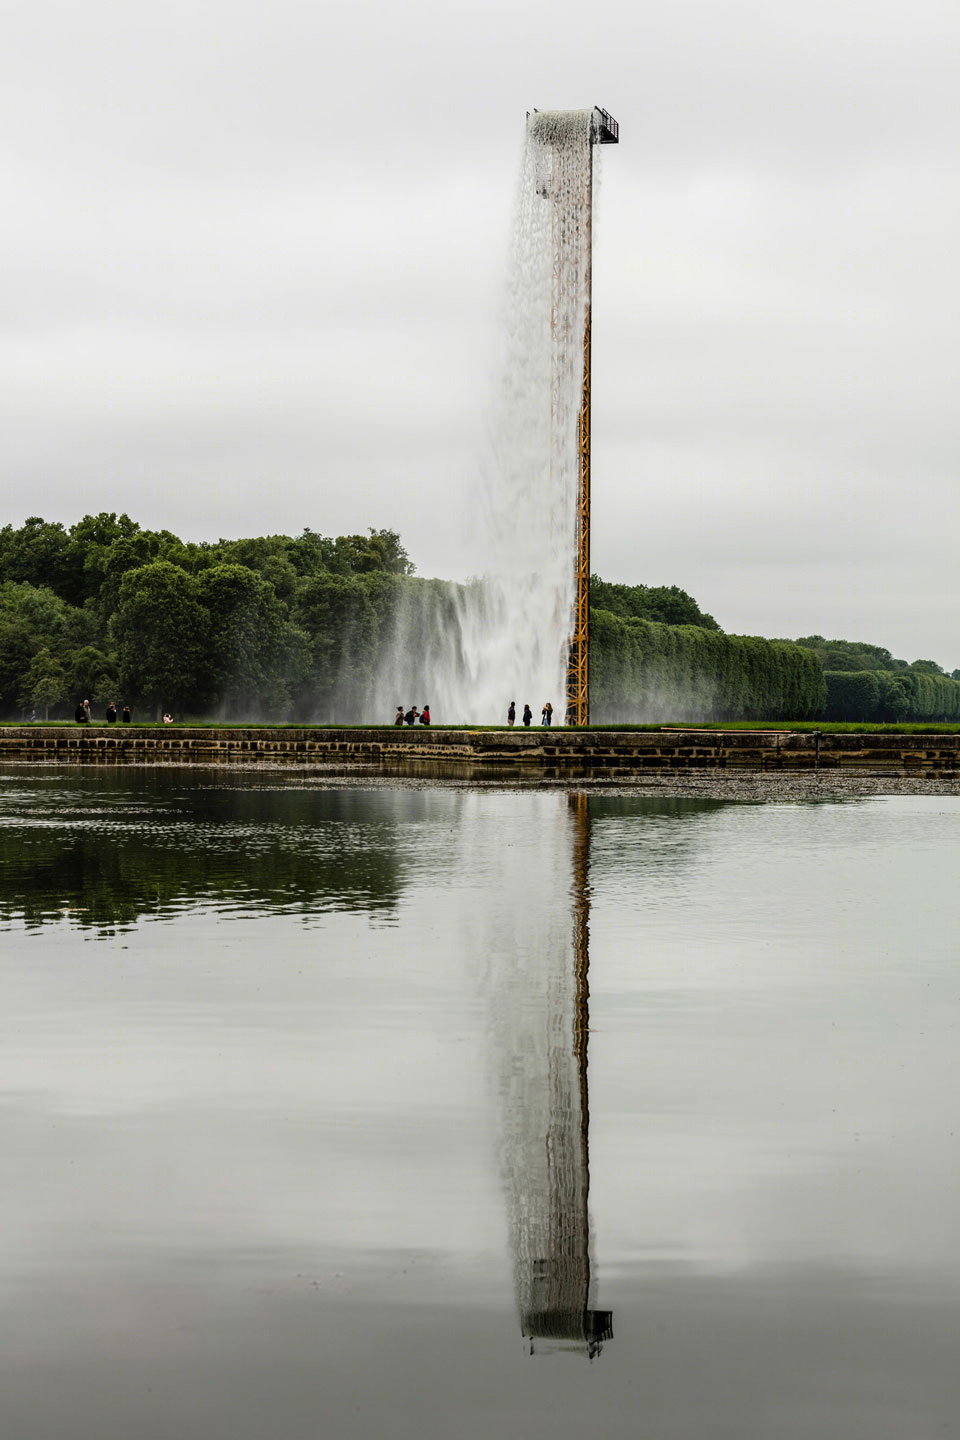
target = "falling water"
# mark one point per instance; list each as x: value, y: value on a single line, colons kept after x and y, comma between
x: 506, y: 636
x: 532, y: 949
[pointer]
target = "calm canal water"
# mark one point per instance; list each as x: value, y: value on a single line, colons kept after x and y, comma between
x: 341, y: 1111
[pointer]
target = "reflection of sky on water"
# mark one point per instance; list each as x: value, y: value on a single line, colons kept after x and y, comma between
x: 253, y: 1168
x: 814, y: 967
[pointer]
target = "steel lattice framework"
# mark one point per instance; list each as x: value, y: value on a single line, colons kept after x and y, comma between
x: 604, y: 130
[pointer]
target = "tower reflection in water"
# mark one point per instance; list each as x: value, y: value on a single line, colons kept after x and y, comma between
x: 547, y: 1115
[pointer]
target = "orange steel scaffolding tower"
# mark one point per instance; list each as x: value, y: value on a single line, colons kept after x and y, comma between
x: 604, y: 130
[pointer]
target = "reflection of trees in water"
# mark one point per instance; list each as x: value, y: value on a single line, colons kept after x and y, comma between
x: 104, y: 851
x: 545, y: 998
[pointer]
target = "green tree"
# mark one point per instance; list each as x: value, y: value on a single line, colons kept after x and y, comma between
x: 310, y: 553
x: 90, y: 541
x: 852, y: 695
x: 37, y: 554
x: 33, y: 617
x: 190, y: 556
x: 336, y: 613
x: 38, y: 606
x: 380, y: 550
x: 269, y: 555
x: 665, y: 604
x: 125, y: 553
x: 92, y: 675
x: 252, y: 648
x: 162, y: 632
x: 848, y: 655
x: 17, y: 648
x: 895, y: 698
x: 45, y: 683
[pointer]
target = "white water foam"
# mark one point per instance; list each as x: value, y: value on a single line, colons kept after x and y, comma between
x: 508, y: 635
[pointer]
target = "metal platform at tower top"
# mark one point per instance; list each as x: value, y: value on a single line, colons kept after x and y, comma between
x: 606, y: 131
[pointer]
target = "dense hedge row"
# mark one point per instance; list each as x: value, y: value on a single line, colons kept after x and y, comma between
x: 642, y: 671
x: 886, y: 697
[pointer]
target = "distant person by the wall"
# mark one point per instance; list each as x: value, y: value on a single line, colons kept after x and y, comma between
x: 425, y: 715
x: 125, y: 714
x: 527, y: 714
x: 112, y: 713
x: 410, y: 716
x: 398, y: 718
x: 86, y: 710
x: 512, y: 712
x: 547, y: 715
x: 80, y: 715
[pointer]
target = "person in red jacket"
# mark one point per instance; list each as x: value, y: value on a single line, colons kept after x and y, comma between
x: 425, y: 715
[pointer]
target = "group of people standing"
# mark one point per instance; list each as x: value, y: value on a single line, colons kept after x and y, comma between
x: 411, y: 716
x: 546, y: 714
x: 82, y: 713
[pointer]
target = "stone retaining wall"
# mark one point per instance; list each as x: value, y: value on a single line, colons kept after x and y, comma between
x: 537, y: 752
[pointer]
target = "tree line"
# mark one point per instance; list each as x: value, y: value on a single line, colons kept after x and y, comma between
x: 867, y: 683
x: 250, y: 627
x: 297, y: 628
x: 685, y: 672
x: 885, y: 696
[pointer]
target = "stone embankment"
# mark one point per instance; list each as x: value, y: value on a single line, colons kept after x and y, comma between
x: 536, y: 753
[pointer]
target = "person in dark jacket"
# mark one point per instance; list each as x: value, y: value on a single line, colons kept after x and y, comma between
x: 398, y: 718
x: 527, y: 714
x: 512, y: 712
x: 125, y: 714
x: 410, y: 716
x: 80, y: 715
x: 112, y: 713
x: 547, y: 715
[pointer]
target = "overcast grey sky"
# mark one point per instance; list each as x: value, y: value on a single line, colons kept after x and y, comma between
x: 251, y: 259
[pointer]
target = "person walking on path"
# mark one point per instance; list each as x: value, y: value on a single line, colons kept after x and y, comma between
x: 398, y: 718
x: 527, y: 714
x: 86, y: 710
x: 425, y: 715
x: 80, y: 715
x: 112, y: 713
x: 547, y: 715
x: 125, y: 714
x: 512, y: 713
x: 410, y: 716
